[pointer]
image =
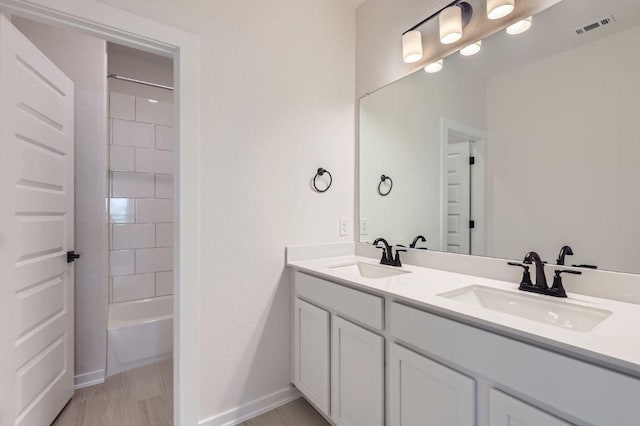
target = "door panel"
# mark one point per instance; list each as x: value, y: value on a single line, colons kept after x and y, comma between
x: 36, y: 231
x: 425, y: 392
x: 458, y: 175
x: 311, y: 353
x: 357, y: 375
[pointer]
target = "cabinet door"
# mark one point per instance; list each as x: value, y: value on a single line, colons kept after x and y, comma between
x: 505, y: 410
x: 423, y: 392
x: 357, y: 375
x: 311, y: 328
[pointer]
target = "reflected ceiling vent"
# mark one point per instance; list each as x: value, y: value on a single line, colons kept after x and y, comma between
x: 598, y: 24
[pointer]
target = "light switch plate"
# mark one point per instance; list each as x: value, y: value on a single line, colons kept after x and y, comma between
x: 344, y: 227
x: 364, y: 226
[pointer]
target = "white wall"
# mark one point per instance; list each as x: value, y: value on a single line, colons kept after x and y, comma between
x: 277, y: 103
x: 400, y: 135
x: 83, y: 59
x: 555, y: 180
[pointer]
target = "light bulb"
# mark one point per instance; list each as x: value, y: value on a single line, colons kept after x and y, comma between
x: 471, y: 49
x: 520, y: 26
x: 434, y: 66
x: 412, y: 46
x: 450, y: 25
x: 497, y: 9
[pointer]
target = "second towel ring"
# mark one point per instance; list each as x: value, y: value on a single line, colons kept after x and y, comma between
x: 321, y: 172
x: 383, y: 179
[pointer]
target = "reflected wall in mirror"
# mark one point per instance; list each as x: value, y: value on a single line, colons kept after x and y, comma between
x: 552, y: 119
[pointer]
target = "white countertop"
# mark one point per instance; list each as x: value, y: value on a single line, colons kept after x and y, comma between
x: 614, y: 343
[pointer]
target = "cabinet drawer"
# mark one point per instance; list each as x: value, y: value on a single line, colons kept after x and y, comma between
x: 585, y: 391
x: 362, y: 307
x: 505, y: 410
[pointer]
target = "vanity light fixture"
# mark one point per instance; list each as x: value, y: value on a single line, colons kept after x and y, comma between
x: 520, y: 26
x: 471, y: 49
x: 497, y: 9
x: 412, y: 46
x: 452, y: 19
x: 153, y: 101
x: 434, y: 66
x: 450, y: 24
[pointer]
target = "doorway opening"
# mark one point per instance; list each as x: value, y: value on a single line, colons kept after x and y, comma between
x: 47, y: 95
x: 463, y: 161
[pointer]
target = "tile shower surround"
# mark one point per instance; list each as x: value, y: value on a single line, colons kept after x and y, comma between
x: 141, y: 192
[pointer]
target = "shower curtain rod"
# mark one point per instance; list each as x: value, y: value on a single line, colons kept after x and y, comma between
x: 134, y: 80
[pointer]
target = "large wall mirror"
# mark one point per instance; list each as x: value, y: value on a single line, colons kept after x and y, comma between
x: 551, y: 118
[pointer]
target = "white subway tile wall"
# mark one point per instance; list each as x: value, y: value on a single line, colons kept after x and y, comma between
x: 164, y: 186
x: 131, y: 287
x: 164, y: 283
x: 164, y: 235
x: 164, y: 138
x: 141, y: 197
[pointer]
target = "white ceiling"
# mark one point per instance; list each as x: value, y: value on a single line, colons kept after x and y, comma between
x: 553, y: 31
x: 356, y: 3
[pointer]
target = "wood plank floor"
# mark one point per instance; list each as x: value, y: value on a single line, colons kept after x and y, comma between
x: 143, y: 397
x: 296, y: 413
x: 140, y: 397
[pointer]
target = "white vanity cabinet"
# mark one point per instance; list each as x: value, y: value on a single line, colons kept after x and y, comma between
x: 576, y: 391
x: 311, y: 328
x: 338, y: 350
x: 368, y: 360
x: 422, y: 391
x: 357, y: 375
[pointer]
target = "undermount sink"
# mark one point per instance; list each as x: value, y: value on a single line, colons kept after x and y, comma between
x: 554, y: 312
x: 368, y: 270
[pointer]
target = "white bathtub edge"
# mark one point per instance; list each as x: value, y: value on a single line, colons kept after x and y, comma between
x: 91, y: 378
x: 252, y: 409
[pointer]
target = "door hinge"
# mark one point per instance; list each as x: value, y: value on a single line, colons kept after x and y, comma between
x: 72, y: 256
x: 472, y: 160
x: 472, y: 224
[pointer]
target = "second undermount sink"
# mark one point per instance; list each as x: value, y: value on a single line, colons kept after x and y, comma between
x: 537, y: 308
x: 368, y: 270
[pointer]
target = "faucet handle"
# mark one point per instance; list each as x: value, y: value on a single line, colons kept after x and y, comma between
x: 384, y: 259
x: 524, y: 266
x: 526, y: 276
x: 396, y: 261
x: 557, y: 286
x: 585, y: 266
x: 567, y: 271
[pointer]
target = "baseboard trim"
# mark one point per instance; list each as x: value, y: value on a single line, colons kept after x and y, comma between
x: 252, y: 409
x: 89, y: 379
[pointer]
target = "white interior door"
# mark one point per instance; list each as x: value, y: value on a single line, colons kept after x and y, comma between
x: 458, y: 175
x: 36, y: 231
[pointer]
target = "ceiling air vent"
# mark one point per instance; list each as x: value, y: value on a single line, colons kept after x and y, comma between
x: 595, y: 25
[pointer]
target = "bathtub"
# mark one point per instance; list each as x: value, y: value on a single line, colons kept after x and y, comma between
x: 140, y: 332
